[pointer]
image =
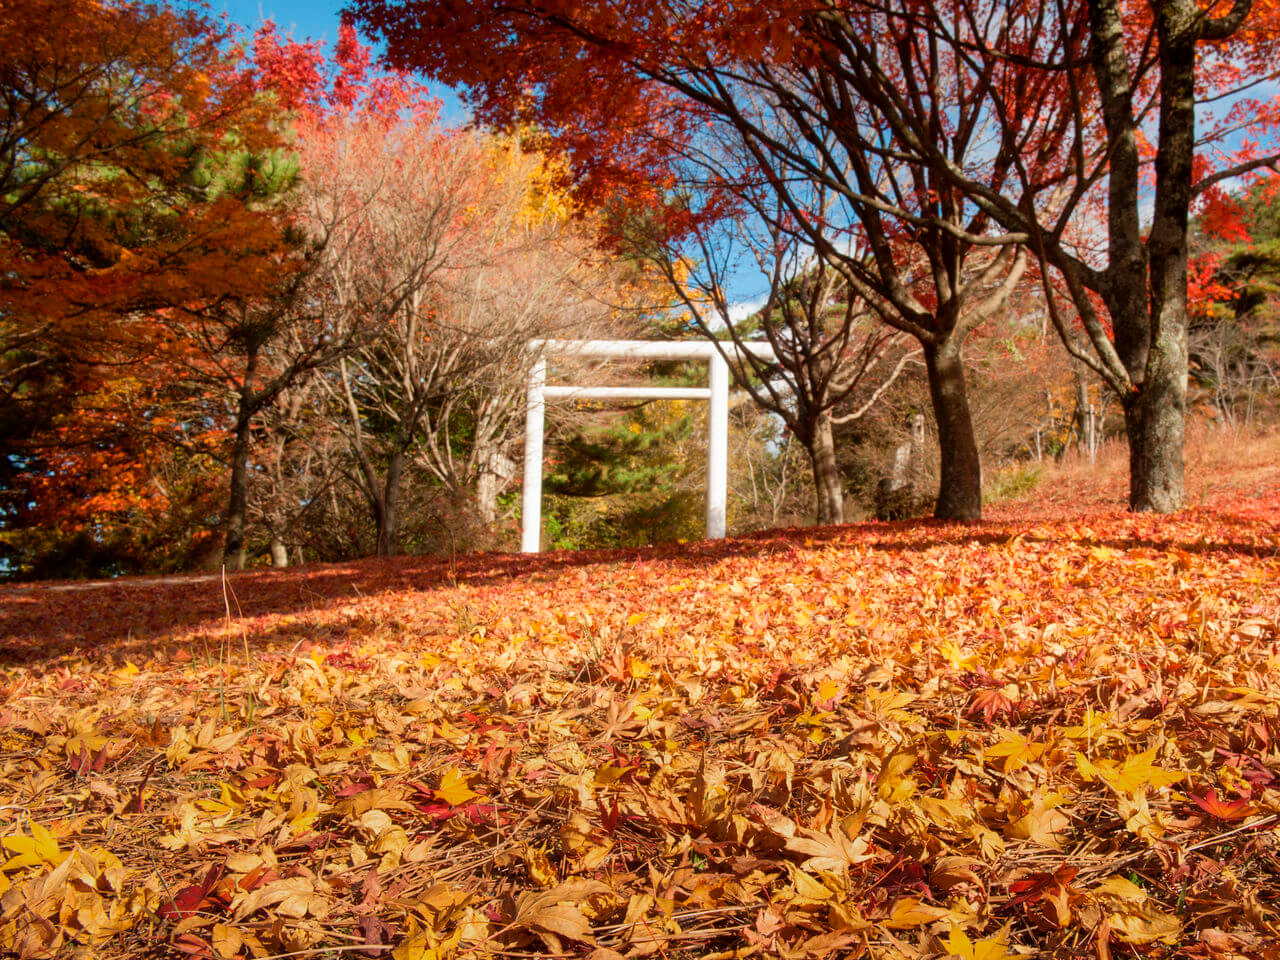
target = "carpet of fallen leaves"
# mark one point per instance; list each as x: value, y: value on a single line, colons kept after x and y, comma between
x: 1026, y: 737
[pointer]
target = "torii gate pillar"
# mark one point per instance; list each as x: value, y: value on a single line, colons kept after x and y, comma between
x: 717, y: 446
x: 535, y: 421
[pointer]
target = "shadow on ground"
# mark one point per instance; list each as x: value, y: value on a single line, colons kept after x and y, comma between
x: 144, y: 617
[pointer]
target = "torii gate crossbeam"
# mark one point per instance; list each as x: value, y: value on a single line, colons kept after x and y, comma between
x: 716, y: 393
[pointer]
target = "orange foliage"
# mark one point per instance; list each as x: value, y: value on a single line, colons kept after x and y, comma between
x: 121, y: 201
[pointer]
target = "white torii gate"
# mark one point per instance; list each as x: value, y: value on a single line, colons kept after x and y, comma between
x: 716, y: 392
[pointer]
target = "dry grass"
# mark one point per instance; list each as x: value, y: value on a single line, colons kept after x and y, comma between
x: 1220, y: 464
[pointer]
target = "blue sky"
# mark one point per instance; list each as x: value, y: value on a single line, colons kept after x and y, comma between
x: 315, y: 20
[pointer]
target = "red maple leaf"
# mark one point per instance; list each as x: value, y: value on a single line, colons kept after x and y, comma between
x: 1220, y: 808
x: 989, y: 703
x: 187, y: 901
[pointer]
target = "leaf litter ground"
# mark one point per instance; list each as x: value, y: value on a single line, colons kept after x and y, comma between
x: 1030, y: 737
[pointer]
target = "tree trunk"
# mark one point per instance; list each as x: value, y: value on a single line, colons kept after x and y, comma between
x: 1078, y: 427
x: 1154, y: 425
x: 826, y: 476
x: 388, y: 513
x: 1155, y: 416
x: 960, y: 484
x: 487, y: 484
x: 487, y: 496
x: 1146, y: 289
x: 279, y: 554
x: 238, y: 497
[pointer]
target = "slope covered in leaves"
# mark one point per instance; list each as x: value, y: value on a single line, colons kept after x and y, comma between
x: 1029, y: 737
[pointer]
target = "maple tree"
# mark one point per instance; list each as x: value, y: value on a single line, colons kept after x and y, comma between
x: 727, y: 104
x: 1059, y: 97
x: 1232, y: 301
x: 180, y: 265
x: 299, y: 460
x: 418, y: 180
x: 424, y: 260
x: 438, y: 384
x: 828, y: 349
x: 307, y: 309
x: 1158, y: 105
x: 122, y: 120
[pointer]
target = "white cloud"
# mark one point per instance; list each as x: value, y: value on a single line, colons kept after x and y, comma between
x: 744, y: 308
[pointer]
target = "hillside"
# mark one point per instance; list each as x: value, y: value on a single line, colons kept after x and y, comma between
x: 1053, y: 733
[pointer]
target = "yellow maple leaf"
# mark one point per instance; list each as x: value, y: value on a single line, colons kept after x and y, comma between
x: 453, y: 789
x: 306, y: 808
x: 1134, y: 918
x: 32, y: 851
x: 989, y: 948
x: 230, y: 800
x: 893, y: 784
x: 1132, y: 775
x: 539, y: 866
x: 910, y: 912
x: 1118, y: 888
x: 356, y: 736
x: 1095, y: 726
x: 1016, y: 751
x: 1042, y: 824
x: 423, y: 943
x: 394, y: 762
x: 955, y: 655
x: 889, y: 705
x: 128, y: 670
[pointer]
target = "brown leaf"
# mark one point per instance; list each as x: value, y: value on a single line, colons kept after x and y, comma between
x: 294, y: 897
x: 950, y: 871
x: 378, y: 799
x: 831, y: 852
x: 555, y: 912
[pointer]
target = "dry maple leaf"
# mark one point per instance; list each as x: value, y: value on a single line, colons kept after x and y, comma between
x: 294, y: 897
x: 454, y: 790
x: 1133, y: 916
x: 991, y: 948
x: 1220, y: 808
x: 1134, y: 773
x: 830, y: 852
x: 990, y: 704
x: 765, y: 791
x: 556, y: 913
x: 1053, y: 891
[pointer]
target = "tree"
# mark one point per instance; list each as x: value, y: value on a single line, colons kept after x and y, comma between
x: 121, y: 120
x: 311, y: 309
x: 723, y: 99
x: 442, y: 381
x: 407, y: 185
x: 442, y: 255
x: 1233, y: 287
x: 1087, y: 112
x: 627, y: 475
x: 1155, y: 103
x: 298, y: 453
x: 828, y: 349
